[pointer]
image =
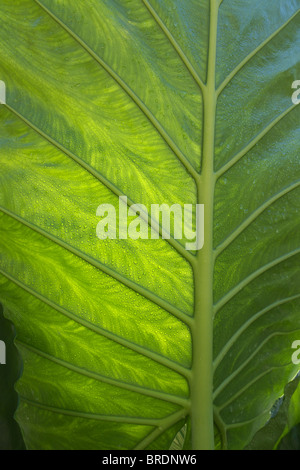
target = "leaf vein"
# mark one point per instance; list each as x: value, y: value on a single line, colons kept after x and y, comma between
x: 175, y: 44
x: 114, y: 189
x: 109, y: 271
x: 235, y: 290
x: 242, y: 64
x: 156, y: 394
x: 170, y: 421
x: 249, y: 384
x: 248, y: 323
x: 158, y: 358
x: 135, y: 99
x: 253, y: 142
x: 229, y: 379
x: 92, y: 416
x: 241, y: 228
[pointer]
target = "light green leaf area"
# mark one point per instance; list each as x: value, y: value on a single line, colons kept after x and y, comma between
x: 164, y: 101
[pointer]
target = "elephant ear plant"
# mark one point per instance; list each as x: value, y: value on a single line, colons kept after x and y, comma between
x: 129, y: 341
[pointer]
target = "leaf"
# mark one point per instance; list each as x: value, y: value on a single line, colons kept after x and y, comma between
x: 176, y: 102
x: 294, y: 409
x: 268, y: 437
x: 292, y: 440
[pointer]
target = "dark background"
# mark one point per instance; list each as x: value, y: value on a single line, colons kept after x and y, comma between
x: 10, y: 435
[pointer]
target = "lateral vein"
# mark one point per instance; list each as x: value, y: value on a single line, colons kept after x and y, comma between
x: 92, y: 416
x: 185, y: 372
x: 168, y: 422
x: 253, y: 142
x: 236, y: 70
x: 235, y: 290
x: 109, y: 271
x: 141, y: 105
x: 249, y: 384
x: 176, y: 46
x: 222, y: 428
x: 249, y: 421
x: 246, y: 325
x: 167, y: 397
x: 114, y: 189
x: 230, y: 378
x: 241, y: 228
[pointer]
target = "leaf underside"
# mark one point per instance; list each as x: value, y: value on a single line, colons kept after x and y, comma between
x: 108, y: 98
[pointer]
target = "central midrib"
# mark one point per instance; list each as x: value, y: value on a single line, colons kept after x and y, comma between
x: 202, y: 328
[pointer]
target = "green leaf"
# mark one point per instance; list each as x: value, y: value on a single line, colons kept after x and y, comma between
x: 268, y: 437
x: 294, y: 409
x: 292, y: 440
x: 164, y: 101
